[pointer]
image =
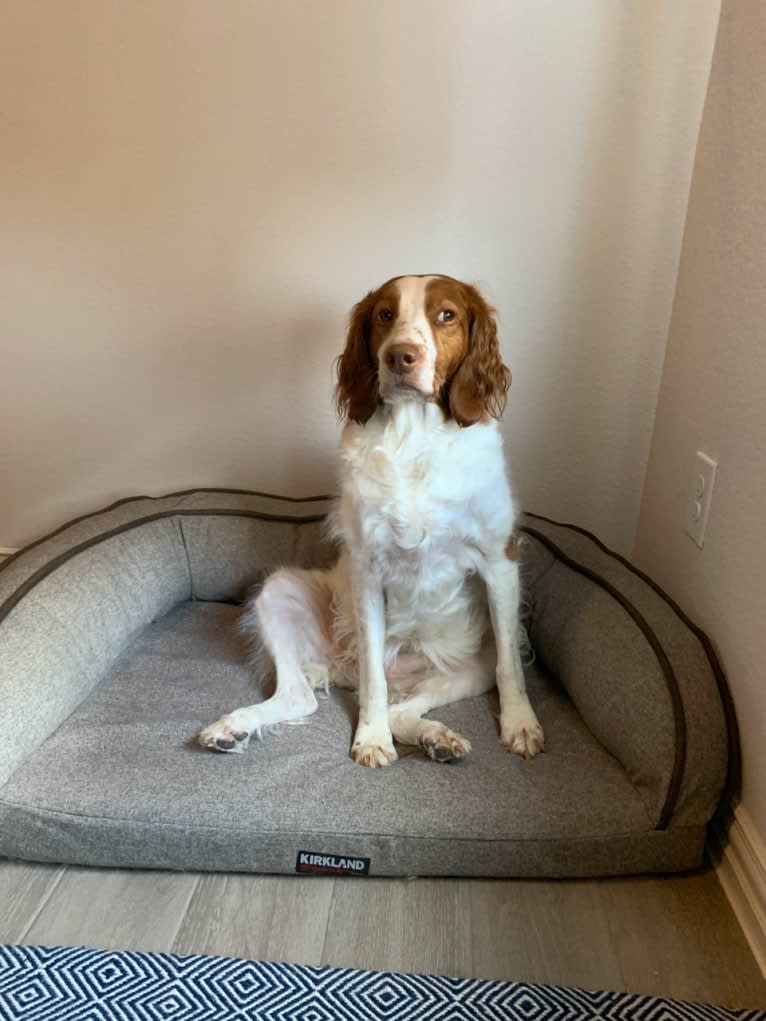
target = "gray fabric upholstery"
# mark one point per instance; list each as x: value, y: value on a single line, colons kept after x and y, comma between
x: 118, y: 642
x: 57, y: 643
x: 588, y: 641
x: 699, y: 713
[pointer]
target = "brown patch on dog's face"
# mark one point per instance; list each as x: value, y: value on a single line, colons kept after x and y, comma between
x: 371, y: 321
x: 383, y: 316
x: 447, y: 312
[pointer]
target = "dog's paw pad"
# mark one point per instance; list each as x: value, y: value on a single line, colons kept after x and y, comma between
x: 373, y: 754
x: 224, y: 737
x: 444, y: 745
x: 373, y: 746
x: 523, y: 736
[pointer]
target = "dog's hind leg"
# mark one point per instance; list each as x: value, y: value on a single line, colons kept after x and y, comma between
x: 290, y: 619
x: 474, y: 677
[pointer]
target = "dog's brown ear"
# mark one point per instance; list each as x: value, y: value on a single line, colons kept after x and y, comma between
x: 479, y: 387
x: 356, y: 392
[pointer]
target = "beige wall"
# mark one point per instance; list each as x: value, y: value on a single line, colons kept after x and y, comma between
x: 192, y: 194
x: 713, y: 395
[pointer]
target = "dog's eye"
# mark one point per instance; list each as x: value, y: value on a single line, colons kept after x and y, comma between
x: 385, y: 315
x: 445, y: 316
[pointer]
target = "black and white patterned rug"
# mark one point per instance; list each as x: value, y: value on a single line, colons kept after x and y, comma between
x: 75, y: 984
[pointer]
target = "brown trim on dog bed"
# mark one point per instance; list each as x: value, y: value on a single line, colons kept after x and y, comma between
x: 165, y: 496
x: 53, y: 565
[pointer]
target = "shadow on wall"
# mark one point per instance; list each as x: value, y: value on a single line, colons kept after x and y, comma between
x: 607, y: 298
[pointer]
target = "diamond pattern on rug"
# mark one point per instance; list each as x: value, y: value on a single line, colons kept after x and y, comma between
x: 75, y: 984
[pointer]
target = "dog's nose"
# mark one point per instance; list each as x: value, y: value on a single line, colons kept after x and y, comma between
x: 402, y: 358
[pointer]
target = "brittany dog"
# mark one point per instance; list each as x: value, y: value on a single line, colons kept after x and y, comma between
x: 422, y: 606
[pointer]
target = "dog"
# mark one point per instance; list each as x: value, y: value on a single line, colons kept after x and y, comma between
x: 421, y: 608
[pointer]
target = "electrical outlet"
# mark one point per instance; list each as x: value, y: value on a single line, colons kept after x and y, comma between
x: 699, y: 496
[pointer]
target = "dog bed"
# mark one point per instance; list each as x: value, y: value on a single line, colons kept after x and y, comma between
x: 119, y: 641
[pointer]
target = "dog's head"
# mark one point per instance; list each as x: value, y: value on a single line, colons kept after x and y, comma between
x: 423, y: 338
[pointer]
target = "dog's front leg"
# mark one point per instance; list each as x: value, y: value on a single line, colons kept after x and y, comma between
x: 520, y: 730
x: 373, y: 745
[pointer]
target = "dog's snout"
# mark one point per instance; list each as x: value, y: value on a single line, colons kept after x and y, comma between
x: 403, y: 358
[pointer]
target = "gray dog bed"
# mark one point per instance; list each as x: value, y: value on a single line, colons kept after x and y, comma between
x: 119, y: 641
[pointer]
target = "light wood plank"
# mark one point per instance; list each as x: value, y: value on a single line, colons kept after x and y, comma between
x: 24, y: 889
x: 276, y: 918
x: 534, y: 931
x: 113, y: 909
x: 672, y: 937
x: 679, y: 937
x: 399, y: 925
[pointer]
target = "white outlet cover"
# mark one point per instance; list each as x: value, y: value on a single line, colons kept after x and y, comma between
x: 699, y: 495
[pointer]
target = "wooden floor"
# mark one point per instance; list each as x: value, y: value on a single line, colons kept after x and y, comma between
x: 675, y: 937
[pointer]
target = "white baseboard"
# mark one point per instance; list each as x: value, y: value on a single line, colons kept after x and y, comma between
x: 742, y: 874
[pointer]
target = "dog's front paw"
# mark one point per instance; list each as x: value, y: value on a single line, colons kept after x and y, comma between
x: 443, y: 745
x: 520, y: 731
x: 373, y: 747
x: 224, y: 736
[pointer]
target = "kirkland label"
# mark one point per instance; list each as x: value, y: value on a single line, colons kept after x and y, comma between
x: 318, y: 863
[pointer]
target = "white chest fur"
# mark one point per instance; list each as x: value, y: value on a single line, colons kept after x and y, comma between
x: 423, y: 501
x: 409, y: 478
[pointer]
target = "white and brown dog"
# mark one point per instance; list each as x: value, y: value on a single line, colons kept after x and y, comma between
x: 422, y: 607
